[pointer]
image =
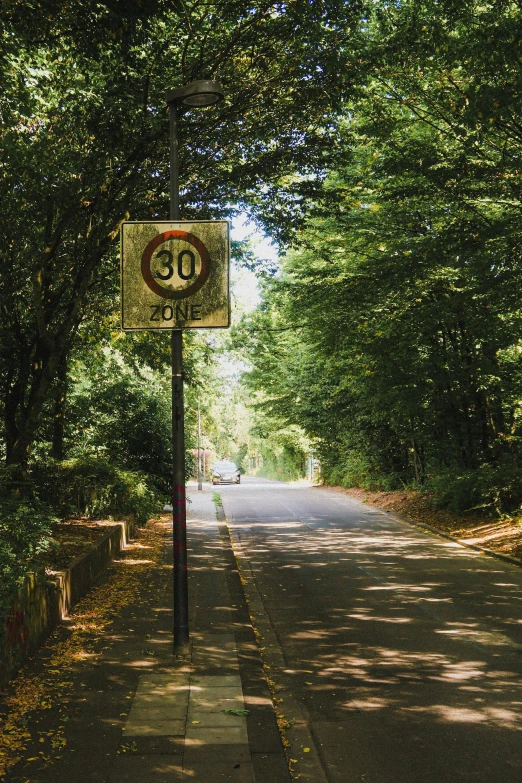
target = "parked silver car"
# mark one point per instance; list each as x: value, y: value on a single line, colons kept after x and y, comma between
x: 226, y: 472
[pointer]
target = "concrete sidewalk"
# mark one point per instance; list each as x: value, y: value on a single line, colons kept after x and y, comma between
x: 215, y: 712
x: 207, y: 719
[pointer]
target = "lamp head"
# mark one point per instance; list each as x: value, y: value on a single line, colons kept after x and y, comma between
x: 197, y: 94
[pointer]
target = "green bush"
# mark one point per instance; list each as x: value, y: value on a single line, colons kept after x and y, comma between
x: 25, y: 531
x: 490, y: 488
x: 284, y: 464
x: 96, y: 488
x: 356, y: 470
x: 124, y: 419
x: 30, y: 507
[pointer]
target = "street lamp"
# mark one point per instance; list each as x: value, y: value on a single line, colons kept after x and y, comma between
x: 197, y: 94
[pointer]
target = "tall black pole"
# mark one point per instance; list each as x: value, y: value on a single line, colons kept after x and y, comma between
x: 200, y: 484
x: 179, y: 508
x: 175, y: 213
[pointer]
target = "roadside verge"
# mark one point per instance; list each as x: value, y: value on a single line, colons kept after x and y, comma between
x: 499, y: 538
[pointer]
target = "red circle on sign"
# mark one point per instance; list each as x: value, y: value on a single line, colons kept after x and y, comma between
x: 168, y: 293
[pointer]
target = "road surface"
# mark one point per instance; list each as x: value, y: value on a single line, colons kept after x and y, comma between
x: 403, y: 649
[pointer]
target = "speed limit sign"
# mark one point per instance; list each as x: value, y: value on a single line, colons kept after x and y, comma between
x: 175, y: 275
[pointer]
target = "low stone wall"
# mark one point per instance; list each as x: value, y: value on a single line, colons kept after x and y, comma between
x: 41, y: 603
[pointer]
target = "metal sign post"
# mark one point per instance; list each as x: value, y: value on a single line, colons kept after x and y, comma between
x: 175, y: 276
x: 200, y: 484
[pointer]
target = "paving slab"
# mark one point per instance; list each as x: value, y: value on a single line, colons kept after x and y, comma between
x: 157, y: 728
x: 216, y: 719
x: 217, y: 681
x: 197, y: 753
x: 240, y: 772
x: 147, y: 769
x: 209, y: 697
x: 159, y: 746
x: 141, y: 712
x: 217, y: 736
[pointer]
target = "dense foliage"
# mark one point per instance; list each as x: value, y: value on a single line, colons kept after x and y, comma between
x: 392, y: 333
x: 85, y: 146
x: 26, y: 525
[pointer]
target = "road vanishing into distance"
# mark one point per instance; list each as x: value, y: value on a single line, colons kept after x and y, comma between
x: 403, y: 649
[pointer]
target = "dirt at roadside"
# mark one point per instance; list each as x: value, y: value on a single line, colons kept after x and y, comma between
x: 499, y: 535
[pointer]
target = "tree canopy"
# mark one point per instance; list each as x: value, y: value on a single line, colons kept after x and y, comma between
x: 85, y: 146
x: 392, y: 333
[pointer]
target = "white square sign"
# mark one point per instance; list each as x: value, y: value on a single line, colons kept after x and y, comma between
x: 175, y: 275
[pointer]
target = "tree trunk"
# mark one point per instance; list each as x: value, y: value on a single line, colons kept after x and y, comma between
x: 51, y: 350
x: 43, y: 376
x: 60, y: 397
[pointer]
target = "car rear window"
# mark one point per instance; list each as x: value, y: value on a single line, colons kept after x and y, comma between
x: 226, y: 466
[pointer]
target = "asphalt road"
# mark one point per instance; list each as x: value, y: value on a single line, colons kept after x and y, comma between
x: 405, y: 649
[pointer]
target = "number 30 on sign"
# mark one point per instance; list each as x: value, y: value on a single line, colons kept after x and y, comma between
x: 175, y: 275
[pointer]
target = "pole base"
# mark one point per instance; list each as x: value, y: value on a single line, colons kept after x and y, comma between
x: 182, y: 652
